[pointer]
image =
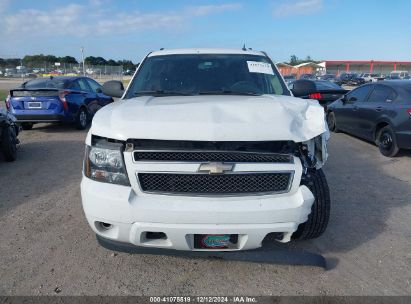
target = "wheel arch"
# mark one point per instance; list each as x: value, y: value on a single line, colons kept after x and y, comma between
x: 82, y: 106
x: 381, y: 124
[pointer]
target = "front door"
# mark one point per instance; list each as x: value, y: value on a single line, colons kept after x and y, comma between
x: 347, y: 115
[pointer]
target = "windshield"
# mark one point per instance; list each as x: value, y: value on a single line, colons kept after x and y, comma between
x: 196, y: 74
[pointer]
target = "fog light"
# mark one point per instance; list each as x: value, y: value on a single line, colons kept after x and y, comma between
x: 105, y: 226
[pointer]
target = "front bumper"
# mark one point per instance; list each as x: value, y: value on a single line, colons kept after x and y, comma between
x: 131, y: 215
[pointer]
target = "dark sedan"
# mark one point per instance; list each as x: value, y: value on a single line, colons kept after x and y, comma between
x: 378, y: 112
x: 325, y: 92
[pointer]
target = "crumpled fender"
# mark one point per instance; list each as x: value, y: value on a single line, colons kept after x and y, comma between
x: 317, y: 147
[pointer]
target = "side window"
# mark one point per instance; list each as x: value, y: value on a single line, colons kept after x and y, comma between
x: 75, y: 86
x: 359, y: 94
x: 83, y: 85
x: 93, y: 85
x: 381, y: 94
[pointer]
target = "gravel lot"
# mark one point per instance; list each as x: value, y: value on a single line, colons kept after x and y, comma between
x: 47, y: 244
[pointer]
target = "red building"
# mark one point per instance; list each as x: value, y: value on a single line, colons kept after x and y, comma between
x: 366, y: 66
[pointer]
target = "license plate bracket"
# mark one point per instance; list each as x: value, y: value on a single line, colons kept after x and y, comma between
x: 34, y: 105
x: 215, y: 241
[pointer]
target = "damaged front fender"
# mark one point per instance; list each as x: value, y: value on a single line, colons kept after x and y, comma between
x: 316, y: 150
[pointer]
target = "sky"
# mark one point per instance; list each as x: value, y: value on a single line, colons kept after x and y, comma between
x: 322, y: 29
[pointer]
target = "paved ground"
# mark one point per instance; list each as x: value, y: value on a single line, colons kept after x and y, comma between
x: 47, y: 244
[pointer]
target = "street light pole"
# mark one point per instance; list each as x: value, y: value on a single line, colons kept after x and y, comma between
x: 82, y: 60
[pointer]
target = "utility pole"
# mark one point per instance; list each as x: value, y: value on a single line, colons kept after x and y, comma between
x: 82, y: 60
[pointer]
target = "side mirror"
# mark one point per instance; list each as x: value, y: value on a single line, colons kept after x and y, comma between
x: 303, y: 88
x: 98, y: 90
x: 113, y: 88
x: 352, y: 99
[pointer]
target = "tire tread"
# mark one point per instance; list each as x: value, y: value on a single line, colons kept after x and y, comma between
x: 318, y: 219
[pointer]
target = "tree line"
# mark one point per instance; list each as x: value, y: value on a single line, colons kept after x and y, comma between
x: 294, y: 60
x: 39, y: 61
x: 127, y: 64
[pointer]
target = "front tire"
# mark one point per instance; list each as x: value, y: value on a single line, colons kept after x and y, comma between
x: 81, y: 119
x: 387, y: 142
x: 9, y: 143
x: 320, y: 210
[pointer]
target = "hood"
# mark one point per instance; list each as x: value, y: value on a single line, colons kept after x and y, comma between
x: 211, y: 118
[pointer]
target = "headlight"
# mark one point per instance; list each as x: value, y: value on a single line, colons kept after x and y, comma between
x: 104, y: 162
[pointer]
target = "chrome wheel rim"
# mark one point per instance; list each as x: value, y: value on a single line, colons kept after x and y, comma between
x: 386, y: 141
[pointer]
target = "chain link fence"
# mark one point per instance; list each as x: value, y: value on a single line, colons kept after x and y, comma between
x: 44, y: 69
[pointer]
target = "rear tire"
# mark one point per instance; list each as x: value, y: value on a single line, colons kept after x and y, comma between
x: 387, y: 142
x: 320, y: 210
x: 332, y: 123
x: 9, y: 143
x: 27, y: 125
x: 82, y: 119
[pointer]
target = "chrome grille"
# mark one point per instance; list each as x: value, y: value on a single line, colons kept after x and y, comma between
x: 212, y: 156
x: 219, y: 184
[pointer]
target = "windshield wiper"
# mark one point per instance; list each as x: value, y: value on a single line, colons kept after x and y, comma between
x: 162, y: 93
x: 228, y: 92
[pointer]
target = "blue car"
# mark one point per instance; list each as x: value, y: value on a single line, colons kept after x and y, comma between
x: 57, y: 99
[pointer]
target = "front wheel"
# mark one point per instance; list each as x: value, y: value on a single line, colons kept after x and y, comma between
x: 9, y: 143
x: 81, y: 119
x: 387, y: 142
x: 320, y: 210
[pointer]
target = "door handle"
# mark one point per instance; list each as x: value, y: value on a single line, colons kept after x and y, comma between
x: 379, y: 109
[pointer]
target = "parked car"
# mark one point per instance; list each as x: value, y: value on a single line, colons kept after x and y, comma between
x: 399, y: 75
x: 325, y: 91
x: 351, y: 79
x: 370, y: 77
x: 392, y: 77
x: 289, y: 78
x: 379, y: 112
x: 208, y: 150
x: 9, y: 131
x: 128, y: 72
x: 307, y: 76
x: 328, y: 77
x: 61, y: 98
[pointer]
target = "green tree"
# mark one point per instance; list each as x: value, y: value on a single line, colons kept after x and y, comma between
x: 67, y: 59
x: 112, y: 62
x: 95, y: 60
x: 294, y: 60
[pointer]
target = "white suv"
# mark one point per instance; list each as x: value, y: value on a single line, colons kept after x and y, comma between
x: 369, y: 77
x: 206, y: 150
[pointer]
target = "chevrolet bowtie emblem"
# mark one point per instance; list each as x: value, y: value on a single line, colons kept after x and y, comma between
x: 215, y: 168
